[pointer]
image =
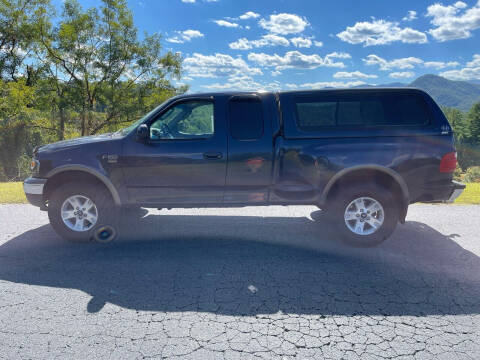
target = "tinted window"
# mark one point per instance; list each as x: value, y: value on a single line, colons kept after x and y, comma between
x: 316, y: 114
x: 389, y: 110
x: 246, y: 119
x: 409, y: 110
x: 349, y: 113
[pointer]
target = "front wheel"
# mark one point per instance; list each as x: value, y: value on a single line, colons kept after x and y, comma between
x: 80, y: 213
x: 365, y: 215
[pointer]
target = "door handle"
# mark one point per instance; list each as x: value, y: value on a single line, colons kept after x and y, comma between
x: 212, y: 155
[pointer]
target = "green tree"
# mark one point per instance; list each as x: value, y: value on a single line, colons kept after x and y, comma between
x: 14, y: 115
x: 19, y: 21
x: 98, y: 53
x: 473, y: 121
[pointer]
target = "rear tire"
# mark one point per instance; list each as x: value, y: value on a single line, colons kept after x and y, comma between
x: 364, y: 215
x: 82, y: 212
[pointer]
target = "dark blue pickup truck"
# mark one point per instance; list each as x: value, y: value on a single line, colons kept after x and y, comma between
x: 362, y: 155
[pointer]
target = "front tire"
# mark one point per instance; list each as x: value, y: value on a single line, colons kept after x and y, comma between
x: 364, y: 215
x: 82, y: 212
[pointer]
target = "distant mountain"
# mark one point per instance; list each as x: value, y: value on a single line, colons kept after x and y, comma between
x: 458, y: 94
x: 394, y: 84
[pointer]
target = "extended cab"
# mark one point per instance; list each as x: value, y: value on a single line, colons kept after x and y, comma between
x: 363, y: 155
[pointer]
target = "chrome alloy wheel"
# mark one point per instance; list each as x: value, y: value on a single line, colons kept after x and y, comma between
x: 79, y: 213
x: 364, y: 216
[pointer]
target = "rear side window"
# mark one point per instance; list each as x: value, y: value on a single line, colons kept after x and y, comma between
x: 246, y: 118
x: 316, y: 114
x: 361, y: 111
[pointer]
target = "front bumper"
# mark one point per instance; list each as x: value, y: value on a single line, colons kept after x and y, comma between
x: 33, y: 188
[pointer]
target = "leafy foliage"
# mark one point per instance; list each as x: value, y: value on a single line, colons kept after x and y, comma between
x: 80, y: 72
x: 467, y: 143
x: 472, y: 174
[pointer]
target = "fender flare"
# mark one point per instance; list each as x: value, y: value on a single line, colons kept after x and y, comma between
x: 395, y: 175
x: 102, y: 178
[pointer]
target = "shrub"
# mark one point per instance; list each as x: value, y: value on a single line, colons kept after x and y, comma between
x: 457, y: 175
x: 472, y: 174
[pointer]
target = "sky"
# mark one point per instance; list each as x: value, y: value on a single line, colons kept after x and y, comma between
x: 300, y: 44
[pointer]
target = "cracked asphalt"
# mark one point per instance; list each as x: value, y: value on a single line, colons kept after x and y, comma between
x: 245, y: 283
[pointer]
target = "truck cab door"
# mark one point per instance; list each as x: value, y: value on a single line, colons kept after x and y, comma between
x: 250, y: 148
x: 184, y: 159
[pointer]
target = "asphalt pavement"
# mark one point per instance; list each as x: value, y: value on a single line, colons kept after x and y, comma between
x: 266, y: 282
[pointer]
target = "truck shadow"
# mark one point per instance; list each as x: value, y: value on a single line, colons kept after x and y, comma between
x: 245, y: 265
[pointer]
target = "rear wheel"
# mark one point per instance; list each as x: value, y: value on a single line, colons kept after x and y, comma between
x: 80, y: 212
x: 364, y: 215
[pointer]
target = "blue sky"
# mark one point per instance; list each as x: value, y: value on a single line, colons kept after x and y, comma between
x: 296, y: 44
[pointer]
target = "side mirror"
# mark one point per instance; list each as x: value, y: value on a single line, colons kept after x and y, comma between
x: 142, y: 133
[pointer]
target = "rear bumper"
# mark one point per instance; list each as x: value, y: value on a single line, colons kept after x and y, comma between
x: 457, y: 191
x: 446, y: 193
x: 33, y: 188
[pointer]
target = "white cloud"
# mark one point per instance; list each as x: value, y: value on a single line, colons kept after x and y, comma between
x: 218, y: 65
x: 452, y: 21
x: 298, y: 60
x: 266, y: 40
x: 380, y: 32
x: 185, y: 36
x: 406, y: 63
x: 475, y: 62
x: 249, y: 15
x: 402, y: 75
x: 411, y: 15
x: 284, y: 24
x: 301, y: 42
x: 440, y: 64
x: 318, y: 43
x: 470, y: 72
x: 353, y: 75
x: 243, y: 82
x: 331, y: 84
x: 403, y: 63
x: 226, y: 23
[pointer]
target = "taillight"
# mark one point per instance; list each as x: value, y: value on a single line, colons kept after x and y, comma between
x: 448, y: 163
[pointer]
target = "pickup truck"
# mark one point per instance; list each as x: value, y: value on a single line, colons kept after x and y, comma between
x: 362, y: 155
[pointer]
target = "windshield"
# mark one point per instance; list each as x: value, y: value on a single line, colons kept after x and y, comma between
x: 130, y: 128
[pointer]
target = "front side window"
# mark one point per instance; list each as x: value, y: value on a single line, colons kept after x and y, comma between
x: 187, y: 120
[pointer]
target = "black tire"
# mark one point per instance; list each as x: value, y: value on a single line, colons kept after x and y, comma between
x: 344, y: 196
x: 104, y: 230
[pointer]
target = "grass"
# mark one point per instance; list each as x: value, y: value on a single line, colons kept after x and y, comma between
x: 12, y: 193
x: 471, y: 194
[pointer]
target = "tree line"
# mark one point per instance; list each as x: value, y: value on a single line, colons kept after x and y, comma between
x: 72, y: 73
x: 466, y: 127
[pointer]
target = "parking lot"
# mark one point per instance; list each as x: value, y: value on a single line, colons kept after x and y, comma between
x: 241, y: 283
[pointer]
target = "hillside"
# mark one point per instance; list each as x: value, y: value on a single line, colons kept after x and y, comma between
x: 457, y: 94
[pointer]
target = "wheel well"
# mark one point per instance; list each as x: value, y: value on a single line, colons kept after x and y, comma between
x: 64, y: 177
x: 377, y: 177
